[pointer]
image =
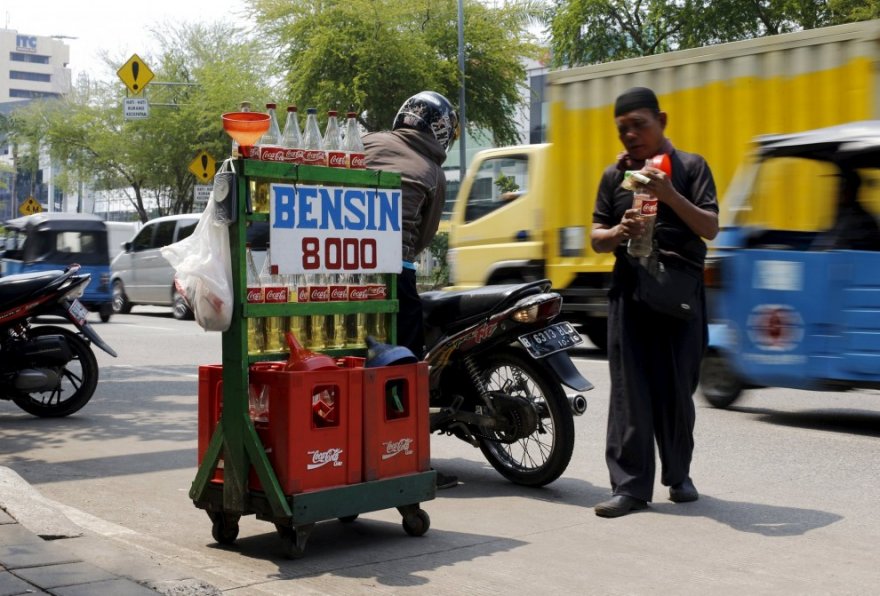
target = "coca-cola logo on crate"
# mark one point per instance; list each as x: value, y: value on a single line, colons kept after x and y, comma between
x: 357, y: 161
x: 302, y: 294
x: 322, y: 458
x: 377, y: 292
x: 319, y: 294
x: 337, y: 159
x: 276, y: 294
x: 269, y: 153
x: 358, y: 293
x: 314, y: 158
x: 255, y: 295
x: 339, y: 293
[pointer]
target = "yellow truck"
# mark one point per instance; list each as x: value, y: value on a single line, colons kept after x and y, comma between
x: 525, y: 212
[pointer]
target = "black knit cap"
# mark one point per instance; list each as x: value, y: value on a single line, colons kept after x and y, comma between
x: 634, y: 99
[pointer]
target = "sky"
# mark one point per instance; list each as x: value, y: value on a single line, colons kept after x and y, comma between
x: 120, y: 27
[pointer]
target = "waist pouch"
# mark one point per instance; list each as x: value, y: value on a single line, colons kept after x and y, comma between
x: 668, y: 284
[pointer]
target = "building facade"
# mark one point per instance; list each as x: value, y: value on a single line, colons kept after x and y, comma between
x: 32, y: 66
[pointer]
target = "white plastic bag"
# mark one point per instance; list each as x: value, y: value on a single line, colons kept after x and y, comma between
x: 204, y: 270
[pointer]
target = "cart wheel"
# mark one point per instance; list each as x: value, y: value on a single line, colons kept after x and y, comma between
x: 293, y: 540
x: 416, y: 523
x: 224, y: 528
x: 347, y: 519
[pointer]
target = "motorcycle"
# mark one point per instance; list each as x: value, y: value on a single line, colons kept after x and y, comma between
x: 496, y: 373
x: 48, y: 371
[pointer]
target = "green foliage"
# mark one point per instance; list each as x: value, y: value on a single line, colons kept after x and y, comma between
x: 595, y: 31
x: 370, y: 55
x: 506, y: 183
x: 439, y: 247
x: 212, y: 69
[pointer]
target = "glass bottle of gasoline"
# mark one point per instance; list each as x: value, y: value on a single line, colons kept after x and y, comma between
x: 255, y: 328
x: 275, y: 291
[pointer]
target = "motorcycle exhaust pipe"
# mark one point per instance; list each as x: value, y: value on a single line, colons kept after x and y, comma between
x: 578, y: 403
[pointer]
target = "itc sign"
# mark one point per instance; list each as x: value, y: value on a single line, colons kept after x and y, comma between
x: 26, y: 43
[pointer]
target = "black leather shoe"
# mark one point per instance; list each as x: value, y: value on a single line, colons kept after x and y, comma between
x: 683, y: 492
x: 619, y: 505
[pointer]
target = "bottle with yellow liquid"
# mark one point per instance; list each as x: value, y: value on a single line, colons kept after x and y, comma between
x: 255, y: 331
x: 275, y: 292
x: 297, y: 291
x: 316, y: 328
x: 355, y: 324
x: 339, y: 288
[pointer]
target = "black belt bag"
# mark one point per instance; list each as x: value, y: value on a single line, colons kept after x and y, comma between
x: 668, y: 284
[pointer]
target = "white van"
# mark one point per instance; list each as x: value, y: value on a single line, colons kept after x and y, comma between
x: 119, y: 232
x: 141, y: 275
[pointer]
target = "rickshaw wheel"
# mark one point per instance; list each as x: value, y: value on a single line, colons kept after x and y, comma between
x: 718, y: 383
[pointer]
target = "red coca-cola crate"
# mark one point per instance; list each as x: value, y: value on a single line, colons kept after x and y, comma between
x: 313, y: 442
x: 210, y: 403
x: 396, y: 424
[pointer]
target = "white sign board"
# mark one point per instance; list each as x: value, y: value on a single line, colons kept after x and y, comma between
x: 135, y: 108
x: 334, y: 229
x: 201, y: 194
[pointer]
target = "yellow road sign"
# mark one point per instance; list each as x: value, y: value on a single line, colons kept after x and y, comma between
x: 30, y: 206
x: 135, y: 74
x: 203, y: 166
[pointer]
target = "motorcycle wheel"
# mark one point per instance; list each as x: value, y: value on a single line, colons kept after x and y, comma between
x: 79, y: 378
x: 541, y: 457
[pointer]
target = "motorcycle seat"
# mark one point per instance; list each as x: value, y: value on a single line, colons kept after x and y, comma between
x: 458, y: 308
x: 14, y: 287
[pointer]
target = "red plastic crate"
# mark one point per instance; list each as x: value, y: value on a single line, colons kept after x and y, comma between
x: 305, y: 455
x: 210, y: 403
x: 396, y: 421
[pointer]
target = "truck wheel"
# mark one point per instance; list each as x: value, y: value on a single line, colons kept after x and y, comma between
x: 718, y: 383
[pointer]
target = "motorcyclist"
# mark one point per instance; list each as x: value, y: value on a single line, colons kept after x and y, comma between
x: 424, y: 129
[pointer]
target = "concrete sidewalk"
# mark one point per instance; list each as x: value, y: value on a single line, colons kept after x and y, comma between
x: 43, y: 552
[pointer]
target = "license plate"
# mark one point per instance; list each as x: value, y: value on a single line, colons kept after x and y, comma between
x: 79, y: 312
x: 550, y: 340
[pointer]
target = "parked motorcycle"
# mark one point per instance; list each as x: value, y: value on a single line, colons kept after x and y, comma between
x: 496, y: 373
x: 48, y: 371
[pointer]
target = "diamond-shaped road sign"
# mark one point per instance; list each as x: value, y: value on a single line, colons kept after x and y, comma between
x: 30, y: 206
x: 135, y: 74
x: 203, y: 166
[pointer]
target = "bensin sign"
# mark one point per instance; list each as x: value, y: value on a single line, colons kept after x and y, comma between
x: 331, y: 229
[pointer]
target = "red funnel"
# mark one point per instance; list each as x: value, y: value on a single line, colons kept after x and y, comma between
x: 302, y: 359
x: 661, y: 162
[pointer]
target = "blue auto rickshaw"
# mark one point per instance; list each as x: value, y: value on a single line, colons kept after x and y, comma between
x: 47, y: 241
x: 793, y: 282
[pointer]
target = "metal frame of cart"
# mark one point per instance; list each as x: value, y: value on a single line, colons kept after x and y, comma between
x: 235, y: 438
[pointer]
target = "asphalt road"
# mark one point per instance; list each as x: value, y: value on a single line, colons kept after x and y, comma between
x: 789, y: 483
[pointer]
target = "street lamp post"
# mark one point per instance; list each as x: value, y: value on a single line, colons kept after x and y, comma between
x: 462, y: 122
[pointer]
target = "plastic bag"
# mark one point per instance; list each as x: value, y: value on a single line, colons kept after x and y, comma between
x: 204, y: 270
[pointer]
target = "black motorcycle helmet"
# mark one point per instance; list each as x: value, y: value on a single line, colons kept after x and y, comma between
x: 429, y: 111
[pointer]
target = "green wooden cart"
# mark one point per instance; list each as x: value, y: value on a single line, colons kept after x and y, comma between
x: 235, y: 445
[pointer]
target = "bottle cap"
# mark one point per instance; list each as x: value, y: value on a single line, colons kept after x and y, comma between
x: 291, y: 108
x: 332, y: 113
x: 270, y: 106
x: 312, y: 110
x: 351, y: 114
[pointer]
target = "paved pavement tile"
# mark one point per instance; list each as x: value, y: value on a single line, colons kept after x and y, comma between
x: 35, y: 554
x: 68, y: 574
x: 16, y: 534
x: 113, y: 587
x: 12, y: 586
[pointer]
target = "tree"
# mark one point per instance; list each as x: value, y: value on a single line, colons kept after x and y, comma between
x: 371, y: 55
x: 202, y: 72
x: 594, y: 31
